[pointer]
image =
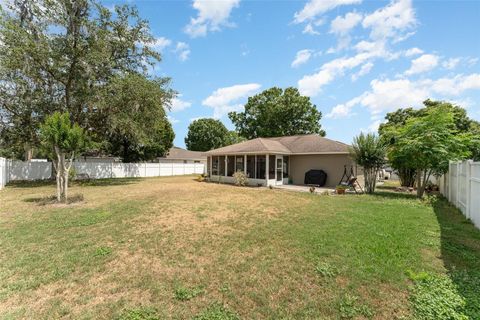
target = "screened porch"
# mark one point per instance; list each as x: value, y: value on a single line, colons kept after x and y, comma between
x: 261, y: 169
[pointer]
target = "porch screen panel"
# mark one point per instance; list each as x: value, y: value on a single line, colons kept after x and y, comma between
x: 230, y: 165
x: 261, y: 167
x: 271, y: 167
x: 221, y: 166
x: 239, y: 163
x: 215, y: 165
x: 285, y: 167
x: 251, y: 166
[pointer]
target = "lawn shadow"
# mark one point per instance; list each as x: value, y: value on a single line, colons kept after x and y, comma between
x: 30, y: 184
x: 460, y: 253
x: 106, y: 182
x: 390, y: 194
x: 47, y: 200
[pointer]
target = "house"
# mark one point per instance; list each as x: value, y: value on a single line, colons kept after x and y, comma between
x: 281, y: 160
x: 179, y: 155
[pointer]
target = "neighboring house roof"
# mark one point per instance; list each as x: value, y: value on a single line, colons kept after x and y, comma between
x: 176, y: 153
x: 300, y: 144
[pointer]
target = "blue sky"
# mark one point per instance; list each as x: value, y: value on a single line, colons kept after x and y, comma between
x: 356, y: 59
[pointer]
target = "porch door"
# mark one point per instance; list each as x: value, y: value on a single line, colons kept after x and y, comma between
x: 279, y: 170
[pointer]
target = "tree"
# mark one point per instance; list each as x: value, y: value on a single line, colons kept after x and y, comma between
x: 233, y: 137
x: 277, y: 112
x: 369, y: 151
x: 206, y: 134
x: 63, y: 140
x: 136, y: 125
x: 463, y: 124
x: 73, y: 56
x: 427, y: 143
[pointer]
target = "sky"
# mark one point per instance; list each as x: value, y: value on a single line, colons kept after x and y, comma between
x: 355, y: 59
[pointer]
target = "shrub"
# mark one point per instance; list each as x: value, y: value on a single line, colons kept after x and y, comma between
x: 240, y: 178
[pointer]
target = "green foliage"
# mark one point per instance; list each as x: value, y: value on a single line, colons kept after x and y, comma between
x: 96, y: 69
x: 350, y: 308
x: 326, y: 270
x: 136, y: 125
x: 143, y: 313
x: 426, y: 144
x: 276, y: 112
x: 103, y: 251
x: 462, y: 124
x: 207, y: 134
x: 185, y: 294
x: 59, y: 132
x: 436, y: 297
x: 240, y: 178
x: 369, y: 152
x: 217, y: 312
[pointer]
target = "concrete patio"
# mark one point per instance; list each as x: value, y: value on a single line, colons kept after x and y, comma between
x: 297, y: 188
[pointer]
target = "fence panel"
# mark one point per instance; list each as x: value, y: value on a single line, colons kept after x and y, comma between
x: 4, y: 176
x: 462, y: 188
x: 18, y: 170
x: 474, y: 206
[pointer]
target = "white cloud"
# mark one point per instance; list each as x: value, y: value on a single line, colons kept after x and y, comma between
x: 342, y: 25
x: 224, y: 100
x: 172, y: 120
x: 212, y: 14
x: 161, y: 43
x: 391, y: 21
x: 314, y: 8
x: 179, y: 104
x: 365, y: 69
x: 388, y: 95
x: 302, y: 57
x: 183, y: 51
x: 422, y: 64
x: 451, y: 63
x: 309, y: 29
x: 413, y: 52
x: 312, y: 84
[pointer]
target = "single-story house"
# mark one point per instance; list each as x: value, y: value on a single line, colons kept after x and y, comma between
x: 179, y: 155
x: 281, y: 160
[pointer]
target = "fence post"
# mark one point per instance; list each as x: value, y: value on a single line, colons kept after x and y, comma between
x: 449, y: 181
x: 457, y: 204
x: 468, y: 168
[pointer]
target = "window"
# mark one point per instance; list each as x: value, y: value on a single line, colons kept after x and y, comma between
x: 215, y: 166
x: 251, y: 166
x: 271, y: 167
x: 285, y: 167
x: 261, y: 167
x: 230, y: 165
x: 239, y: 163
x: 184, y: 161
x: 196, y: 161
x: 221, y: 166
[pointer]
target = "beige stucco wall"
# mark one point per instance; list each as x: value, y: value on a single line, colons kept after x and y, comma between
x: 332, y: 164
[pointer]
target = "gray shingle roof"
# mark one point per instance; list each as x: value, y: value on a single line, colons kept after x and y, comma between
x: 300, y: 144
x: 176, y: 153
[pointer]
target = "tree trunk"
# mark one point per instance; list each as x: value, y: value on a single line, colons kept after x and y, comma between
x: 420, y: 185
x: 28, y: 152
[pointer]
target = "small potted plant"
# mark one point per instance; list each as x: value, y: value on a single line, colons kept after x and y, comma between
x: 340, y: 189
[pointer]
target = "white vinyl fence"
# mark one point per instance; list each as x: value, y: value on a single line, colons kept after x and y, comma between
x: 461, y: 185
x: 19, y: 170
x: 3, y: 172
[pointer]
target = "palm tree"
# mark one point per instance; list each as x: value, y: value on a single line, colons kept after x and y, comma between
x: 369, y: 151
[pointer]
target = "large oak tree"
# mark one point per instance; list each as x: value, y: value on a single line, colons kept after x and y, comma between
x: 77, y: 56
x: 277, y: 112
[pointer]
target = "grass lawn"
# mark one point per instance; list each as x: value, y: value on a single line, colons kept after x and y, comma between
x: 174, y: 248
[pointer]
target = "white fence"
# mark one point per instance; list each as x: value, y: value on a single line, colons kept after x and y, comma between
x: 19, y: 170
x: 4, y: 176
x: 461, y: 185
